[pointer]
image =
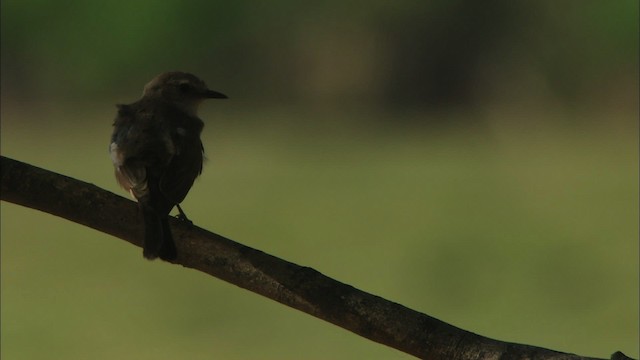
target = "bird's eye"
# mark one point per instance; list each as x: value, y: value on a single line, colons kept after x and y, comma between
x: 185, y: 87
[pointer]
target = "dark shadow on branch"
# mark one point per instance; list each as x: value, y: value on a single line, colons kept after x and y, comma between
x: 299, y: 287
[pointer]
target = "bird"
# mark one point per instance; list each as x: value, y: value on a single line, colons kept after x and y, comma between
x: 157, y: 152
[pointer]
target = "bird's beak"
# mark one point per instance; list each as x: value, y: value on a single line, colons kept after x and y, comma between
x: 210, y: 94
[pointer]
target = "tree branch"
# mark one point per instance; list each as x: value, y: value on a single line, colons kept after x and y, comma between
x: 299, y: 287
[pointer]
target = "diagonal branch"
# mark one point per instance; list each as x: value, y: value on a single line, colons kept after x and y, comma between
x: 299, y: 287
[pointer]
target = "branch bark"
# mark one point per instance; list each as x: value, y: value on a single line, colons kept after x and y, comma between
x: 299, y: 287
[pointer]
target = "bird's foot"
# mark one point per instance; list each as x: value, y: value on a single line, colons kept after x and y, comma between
x: 182, y: 216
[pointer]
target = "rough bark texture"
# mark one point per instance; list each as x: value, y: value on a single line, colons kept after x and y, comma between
x: 299, y: 287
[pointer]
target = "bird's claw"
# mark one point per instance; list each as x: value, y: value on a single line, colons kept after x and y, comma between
x: 182, y: 216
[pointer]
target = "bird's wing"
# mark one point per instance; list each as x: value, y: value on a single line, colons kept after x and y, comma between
x: 139, y: 143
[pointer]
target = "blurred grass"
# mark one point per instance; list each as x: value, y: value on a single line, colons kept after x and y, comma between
x: 522, y: 231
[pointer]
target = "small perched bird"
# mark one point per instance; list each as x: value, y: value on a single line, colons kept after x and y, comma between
x: 157, y: 152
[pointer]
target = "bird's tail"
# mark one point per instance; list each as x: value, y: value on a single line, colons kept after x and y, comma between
x: 158, y: 241
x: 168, y: 250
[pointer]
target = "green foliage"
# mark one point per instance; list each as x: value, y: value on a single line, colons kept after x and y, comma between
x: 408, y: 53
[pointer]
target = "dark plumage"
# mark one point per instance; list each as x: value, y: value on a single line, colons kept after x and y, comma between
x: 157, y: 152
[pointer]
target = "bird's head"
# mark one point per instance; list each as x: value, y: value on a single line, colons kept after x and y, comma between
x: 181, y: 89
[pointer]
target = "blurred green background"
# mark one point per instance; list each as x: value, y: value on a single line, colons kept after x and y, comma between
x: 475, y: 161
